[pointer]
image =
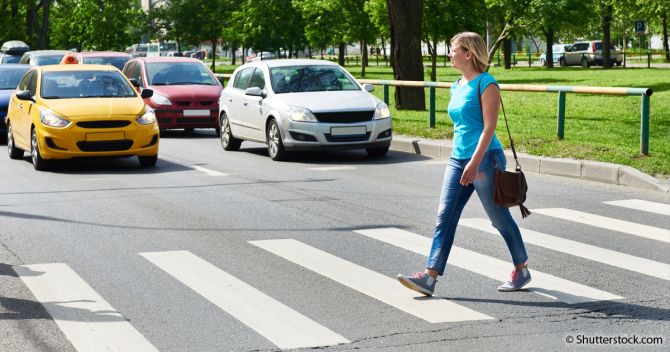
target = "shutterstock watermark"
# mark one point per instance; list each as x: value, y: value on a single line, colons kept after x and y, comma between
x: 594, y: 340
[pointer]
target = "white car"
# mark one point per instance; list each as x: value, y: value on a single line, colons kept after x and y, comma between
x: 302, y: 105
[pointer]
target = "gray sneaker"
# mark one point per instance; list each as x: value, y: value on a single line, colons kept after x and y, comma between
x: 419, y: 282
x: 517, y: 279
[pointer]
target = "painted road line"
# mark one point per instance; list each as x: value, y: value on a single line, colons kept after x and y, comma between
x: 578, y: 249
x: 86, y: 319
x: 368, y: 282
x: 332, y: 168
x: 631, y: 228
x: 637, y: 204
x: 543, y: 284
x: 278, y: 323
x: 208, y: 172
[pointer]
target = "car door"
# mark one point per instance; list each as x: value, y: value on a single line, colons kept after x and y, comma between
x: 21, y: 112
x: 252, y: 106
x: 240, y: 124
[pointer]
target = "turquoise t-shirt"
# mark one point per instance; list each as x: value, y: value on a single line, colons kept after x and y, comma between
x: 466, y: 113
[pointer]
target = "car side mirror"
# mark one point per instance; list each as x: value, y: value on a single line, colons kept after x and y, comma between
x: 134, y: 82
x: 369, y: 87
x: 24, y: 95
x: 147, y: 93
x: 255, y: 91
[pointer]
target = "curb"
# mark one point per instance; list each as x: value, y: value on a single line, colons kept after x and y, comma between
x: 615, y: 174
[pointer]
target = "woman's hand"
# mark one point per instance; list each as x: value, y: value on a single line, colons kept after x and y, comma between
x: 469, y: 173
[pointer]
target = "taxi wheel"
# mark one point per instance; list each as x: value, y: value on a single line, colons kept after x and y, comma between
x: 38, y: 163
x: 228, y: 142
x: 148, y: 161
x: 377, y: 152
x: 14, y: 152
x: 275, y: 144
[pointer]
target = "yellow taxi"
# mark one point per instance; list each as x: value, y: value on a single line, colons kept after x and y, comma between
x: 67, y: 111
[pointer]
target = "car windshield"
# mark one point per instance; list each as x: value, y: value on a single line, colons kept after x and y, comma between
x: 85, y: 84
x: 117, y: 62
x: 311, y: 78
x: 11, y: 59
x: 179, y: 73
x: 48, y: 60
x: 10, y: 78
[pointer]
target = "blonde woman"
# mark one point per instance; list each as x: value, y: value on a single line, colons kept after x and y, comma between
x: 474, y: 105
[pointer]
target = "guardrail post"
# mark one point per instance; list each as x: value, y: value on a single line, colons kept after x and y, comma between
x: 386, y: 94
x: 644, y: 126
x: 431, y: 112
x: 560, y: 121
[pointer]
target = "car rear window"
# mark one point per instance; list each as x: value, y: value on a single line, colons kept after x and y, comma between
x: 10, y: 78
x: 179, y: 73
x: 85, y: 84
x: 11, y: 59
x: 117, y: 62
x: 48, y: 60
x: 310, y: 78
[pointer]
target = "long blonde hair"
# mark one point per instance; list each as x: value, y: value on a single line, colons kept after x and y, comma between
x: 474, y: 43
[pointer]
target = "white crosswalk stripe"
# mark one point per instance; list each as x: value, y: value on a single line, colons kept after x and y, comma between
x: 368, y: 282
x: 631, y: 228
x: 86, y: 319
x: 280, y: 324
x: 543, y: 284
x: 643, y: 205
x: 605, y: 256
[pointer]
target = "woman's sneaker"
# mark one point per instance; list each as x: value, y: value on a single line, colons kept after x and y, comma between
x: 517, y: 279
x: 419, y: 282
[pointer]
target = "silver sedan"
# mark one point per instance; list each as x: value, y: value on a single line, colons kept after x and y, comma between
x: 302, y: 105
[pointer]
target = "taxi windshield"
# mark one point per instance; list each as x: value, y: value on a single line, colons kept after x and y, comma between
x: 10, y: 78
x: 179, y: 73
x: 85, y: 84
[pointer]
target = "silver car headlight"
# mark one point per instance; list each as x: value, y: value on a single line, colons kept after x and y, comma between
x: 382, y: 111
x: 159, y: 99
x: 147, y: 118
x: 300, y: 114
x: 50, y: 119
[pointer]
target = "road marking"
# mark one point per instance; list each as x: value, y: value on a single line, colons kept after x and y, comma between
x: 605, y: 256
x: 543, y: 284
x: 332, y: 168
x: 368, y: 282
x: 86, y: 319
x: 637, y: 204
x: 208, y: 172
x: 631, y: 228
x: 278, y: 323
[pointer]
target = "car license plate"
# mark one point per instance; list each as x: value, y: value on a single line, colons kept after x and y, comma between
x: 347, y: 131
x: 196, y: 112
x: 105, y: 136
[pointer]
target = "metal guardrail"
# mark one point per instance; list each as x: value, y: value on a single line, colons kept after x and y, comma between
x: 644, y: 93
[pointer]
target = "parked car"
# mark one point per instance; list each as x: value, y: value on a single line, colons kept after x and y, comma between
x: 557, y: 53
x: 43, y: 57
x: 302, y: 105
x: 12, y: 51
x: 186, y: 92
x: 264, y: 55
x: 10, y: 76
x: 174, y: 54
x: 116, y: 59
x: 589, y: 53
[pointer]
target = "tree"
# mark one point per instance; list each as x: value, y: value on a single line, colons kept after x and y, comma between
x: 405, y: 20
x: 12, y: 27
x: 513, y: 16
x: 37, y: 23
x: 325, y: 23
x: 358, y: 27
x: 379, y: 16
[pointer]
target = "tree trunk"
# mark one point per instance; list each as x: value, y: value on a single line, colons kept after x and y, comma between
x: 233, y: 47
x: 549, y: 54
x: 340, y: 54
x: 432, y: 50
x: 607, y: 41
x: 384, y: 48
x: 507, y: 52
x: 405, y: 21
x: 214, y: 55
x: 364, y: 57
x: 665, y: 37
x: 44, y: 29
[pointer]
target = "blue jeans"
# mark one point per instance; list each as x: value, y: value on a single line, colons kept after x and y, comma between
x: 453, y: 198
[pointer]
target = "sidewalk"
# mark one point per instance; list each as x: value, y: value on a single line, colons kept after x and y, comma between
x: 585, y: 169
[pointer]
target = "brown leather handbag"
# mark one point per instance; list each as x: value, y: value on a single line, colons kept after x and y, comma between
x: 509, y: 188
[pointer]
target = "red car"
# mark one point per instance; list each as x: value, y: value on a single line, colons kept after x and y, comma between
x: 186, y: 93
x: 113, y: 58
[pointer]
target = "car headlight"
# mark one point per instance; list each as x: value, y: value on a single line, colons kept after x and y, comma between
x: 147, y: 118
x: 382, y: 111
x: 50, y: 119
x: 160, y: 99
x: 300, y: 114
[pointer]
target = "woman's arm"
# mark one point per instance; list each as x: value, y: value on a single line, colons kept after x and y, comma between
x: 490, y: 107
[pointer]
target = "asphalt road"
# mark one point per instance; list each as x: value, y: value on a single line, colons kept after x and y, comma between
x: 214, y: 251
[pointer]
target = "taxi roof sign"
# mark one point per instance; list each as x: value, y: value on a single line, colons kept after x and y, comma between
x: 69, y: 59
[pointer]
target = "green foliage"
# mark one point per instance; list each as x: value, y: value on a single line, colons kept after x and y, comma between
x: 13, y: 24
x: 270, y: 25
x: 324, y: 22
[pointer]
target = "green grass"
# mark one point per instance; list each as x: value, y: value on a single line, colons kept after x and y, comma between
x: 597, y: 127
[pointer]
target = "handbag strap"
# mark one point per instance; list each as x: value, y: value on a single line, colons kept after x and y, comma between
x: 511, y: 141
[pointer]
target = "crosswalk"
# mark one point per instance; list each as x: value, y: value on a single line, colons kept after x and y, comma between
x: 91, y: 324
